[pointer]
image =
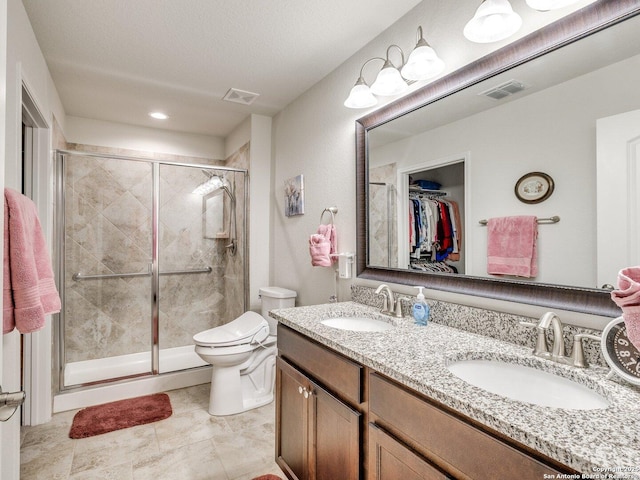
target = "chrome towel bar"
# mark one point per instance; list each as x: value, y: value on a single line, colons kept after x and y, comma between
x: 79, y: 276
x: 554, y: 219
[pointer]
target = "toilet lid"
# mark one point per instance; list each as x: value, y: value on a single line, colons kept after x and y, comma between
x: 250, y: 327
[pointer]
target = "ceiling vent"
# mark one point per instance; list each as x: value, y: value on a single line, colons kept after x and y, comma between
x: 504, y: 90
x: 240, y: 96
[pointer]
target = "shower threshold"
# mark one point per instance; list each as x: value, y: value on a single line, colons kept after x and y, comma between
x: 171, y: 360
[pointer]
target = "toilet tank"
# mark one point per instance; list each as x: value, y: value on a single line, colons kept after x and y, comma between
x: 273, y: 298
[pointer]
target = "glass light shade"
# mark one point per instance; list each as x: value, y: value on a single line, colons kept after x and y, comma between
x: 546, y: 5
x: 389, y: 82
x: 494, y: 20
x: 423, y: 63
x: 360, y: 96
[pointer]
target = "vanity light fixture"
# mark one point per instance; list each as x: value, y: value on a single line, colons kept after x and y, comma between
x: 158, y: 115
x: 494, y: 20
x: 389, y: 80
x: 423, y: 63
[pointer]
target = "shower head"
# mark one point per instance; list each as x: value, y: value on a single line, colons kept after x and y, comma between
x: 213, y: 183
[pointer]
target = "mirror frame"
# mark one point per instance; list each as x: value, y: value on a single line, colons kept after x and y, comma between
x: 591, y: 19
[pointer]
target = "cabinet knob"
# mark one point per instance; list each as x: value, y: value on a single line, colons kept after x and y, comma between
x: 300, y: 390
x: 306, y: 393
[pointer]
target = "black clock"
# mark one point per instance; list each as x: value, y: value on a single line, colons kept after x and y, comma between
x: 621, y: 355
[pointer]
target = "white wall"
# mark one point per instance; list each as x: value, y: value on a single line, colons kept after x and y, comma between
x: 260, y: 188
x: 314, y: 135
x: 540, y: 132
x: 26, y: 66
x: 118, y: 135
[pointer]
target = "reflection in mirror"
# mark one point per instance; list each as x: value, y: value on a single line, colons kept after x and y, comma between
x: 550, y: 114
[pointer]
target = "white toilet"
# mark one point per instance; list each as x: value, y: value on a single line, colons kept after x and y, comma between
x: 243, y: 355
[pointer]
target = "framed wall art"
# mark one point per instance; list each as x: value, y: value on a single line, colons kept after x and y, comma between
x: 294, y: 196
x: 534, y: 187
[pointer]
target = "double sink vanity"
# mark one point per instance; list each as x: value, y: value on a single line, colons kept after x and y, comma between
x: 361, y: 394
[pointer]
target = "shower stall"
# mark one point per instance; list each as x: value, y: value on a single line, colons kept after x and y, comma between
x: 149, y: 253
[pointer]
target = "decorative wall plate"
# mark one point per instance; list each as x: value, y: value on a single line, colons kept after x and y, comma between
x: 621, y: 355
x: 534, y: 187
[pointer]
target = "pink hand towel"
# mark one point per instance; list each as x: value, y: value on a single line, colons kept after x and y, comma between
x: 29, y: 289
x: 511, y: 246
x: 627, y: 297
x: 322, y: 245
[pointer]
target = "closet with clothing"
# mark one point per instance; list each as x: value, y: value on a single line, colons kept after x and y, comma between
x: 436, y: 217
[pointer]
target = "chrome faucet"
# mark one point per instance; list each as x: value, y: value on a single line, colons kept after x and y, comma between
x: 542, y: 347
x: 550, y: 318
x: 557, y: 353
x: 390, y: 306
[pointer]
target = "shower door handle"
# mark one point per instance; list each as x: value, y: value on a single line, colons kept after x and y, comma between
x: 9, y: 403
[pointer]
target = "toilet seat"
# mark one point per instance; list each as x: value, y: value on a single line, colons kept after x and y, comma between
x: 248, y: 328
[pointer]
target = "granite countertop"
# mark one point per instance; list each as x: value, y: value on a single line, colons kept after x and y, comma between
x: 594, y: 442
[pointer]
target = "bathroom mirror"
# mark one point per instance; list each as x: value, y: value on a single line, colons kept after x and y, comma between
x: 433, y: 129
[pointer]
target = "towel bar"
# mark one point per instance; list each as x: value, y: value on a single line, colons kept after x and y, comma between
x: 554, y: 219
x: 332, y: 211
x: 79, y: 276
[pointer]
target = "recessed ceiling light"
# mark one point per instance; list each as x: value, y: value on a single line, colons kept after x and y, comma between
x: 159, y: 115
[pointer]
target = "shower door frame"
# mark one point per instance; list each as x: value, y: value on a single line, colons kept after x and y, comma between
x: 59, y: 252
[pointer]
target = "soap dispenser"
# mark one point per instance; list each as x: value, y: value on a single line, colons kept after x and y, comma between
x: 420, y: 309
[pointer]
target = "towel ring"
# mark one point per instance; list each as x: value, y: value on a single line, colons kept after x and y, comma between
x: 332, y: 211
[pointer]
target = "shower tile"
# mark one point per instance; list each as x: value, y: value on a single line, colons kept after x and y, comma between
x: 102, y: 197
x: 128, y: 177
x: 78, y: 212
x: 133, y: 219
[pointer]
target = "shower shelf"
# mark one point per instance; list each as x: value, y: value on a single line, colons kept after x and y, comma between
x: 79, y: 276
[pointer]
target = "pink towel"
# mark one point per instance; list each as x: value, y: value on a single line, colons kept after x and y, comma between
x: 29, y: 289
x: 511, y: 246
x: 322, y: 245
x: 627, y: 297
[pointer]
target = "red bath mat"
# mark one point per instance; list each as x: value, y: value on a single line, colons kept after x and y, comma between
x: 121, y: 414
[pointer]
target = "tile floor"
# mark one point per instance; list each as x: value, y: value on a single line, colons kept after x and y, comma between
x: 189, y: 445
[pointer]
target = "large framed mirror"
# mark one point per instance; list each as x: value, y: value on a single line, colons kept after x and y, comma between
x: 570, y: 89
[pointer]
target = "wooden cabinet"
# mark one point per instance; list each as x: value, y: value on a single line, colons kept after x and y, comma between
x: 391, y: 460
x: 317, y: 434
x: 449, y: 441
x: 337, y: 420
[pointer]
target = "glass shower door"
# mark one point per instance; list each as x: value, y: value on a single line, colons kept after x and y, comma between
x: 200, y: 257
x: 107, y: 259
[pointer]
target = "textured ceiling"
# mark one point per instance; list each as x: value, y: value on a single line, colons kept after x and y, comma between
x: 116, y: 60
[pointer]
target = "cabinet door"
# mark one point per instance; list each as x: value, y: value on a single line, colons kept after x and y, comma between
x: 390, y: 460
x: 292, y: 425
x: 335, y: 438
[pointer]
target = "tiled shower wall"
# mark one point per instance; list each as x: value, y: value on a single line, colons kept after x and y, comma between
x: 382, y: 221
x: 108, y: 210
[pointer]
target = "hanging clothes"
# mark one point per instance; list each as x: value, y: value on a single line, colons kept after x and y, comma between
x: 435, y: 231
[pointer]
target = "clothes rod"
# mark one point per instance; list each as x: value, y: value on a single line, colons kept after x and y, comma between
x: 554, y: 219
x: 79, y: 276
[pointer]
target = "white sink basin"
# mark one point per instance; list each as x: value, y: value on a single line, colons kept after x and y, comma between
x: 527, y: 384
x: 357, y: 324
